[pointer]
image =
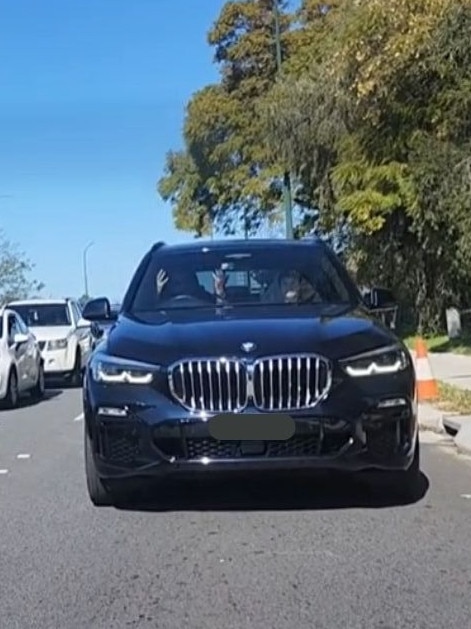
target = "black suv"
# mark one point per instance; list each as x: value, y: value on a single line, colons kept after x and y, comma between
x: 251, y: 355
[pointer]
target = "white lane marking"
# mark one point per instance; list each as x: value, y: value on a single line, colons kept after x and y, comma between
x: 23, y: 456
x: 78, y: 418
x: 467, y: 496
x: 3, y: 471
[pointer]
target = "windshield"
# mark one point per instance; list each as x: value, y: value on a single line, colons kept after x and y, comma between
x: 270, y: 276
x: 37, y: 315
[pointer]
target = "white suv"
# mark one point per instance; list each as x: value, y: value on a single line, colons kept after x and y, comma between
x: 21, y: 364
x: 64, y: 336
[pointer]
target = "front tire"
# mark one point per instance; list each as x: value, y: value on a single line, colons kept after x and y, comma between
x: 404, y: 484
x: 76, y: 375
x: 98, y: 493
x: 12, y: 398
x: 40, y: 387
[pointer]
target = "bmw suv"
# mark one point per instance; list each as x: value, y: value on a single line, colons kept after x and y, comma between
x: 251, y: 355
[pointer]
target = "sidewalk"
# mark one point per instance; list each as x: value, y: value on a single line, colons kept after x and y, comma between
x: 454, y: 370
x: 451, y: 368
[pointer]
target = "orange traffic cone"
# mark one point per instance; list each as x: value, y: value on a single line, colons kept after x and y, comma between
x: 427, y: 389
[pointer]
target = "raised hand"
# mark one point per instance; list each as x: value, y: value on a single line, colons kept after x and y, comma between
x: 162, y: 279
x: 220, y: 280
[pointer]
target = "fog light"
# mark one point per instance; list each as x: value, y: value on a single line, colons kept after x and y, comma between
x: 112, y: 411
x: 392, y: 403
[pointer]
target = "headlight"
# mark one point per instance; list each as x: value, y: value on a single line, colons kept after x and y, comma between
x: 57, y: 344
x: 113, y: 370
x: 388, y: 360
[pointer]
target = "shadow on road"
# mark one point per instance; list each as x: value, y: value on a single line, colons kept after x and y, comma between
x: 321, y: 492
x: 58, y: 383
x: 28, y: 402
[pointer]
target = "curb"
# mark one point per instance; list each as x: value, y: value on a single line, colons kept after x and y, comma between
x: 430, y: 418
x: 453, y: 424
x: 460, y: 430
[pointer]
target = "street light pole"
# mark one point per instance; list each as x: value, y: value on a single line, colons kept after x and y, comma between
x: 85, y: 270
x: 287, y: 199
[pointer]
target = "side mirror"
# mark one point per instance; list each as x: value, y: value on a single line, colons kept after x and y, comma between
x: 379, y: 299
x: 19, y: 338
x: 97, y: 310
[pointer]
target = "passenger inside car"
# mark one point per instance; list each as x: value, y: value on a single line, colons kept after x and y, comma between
x: 290, y: 287
x: 239, y: 285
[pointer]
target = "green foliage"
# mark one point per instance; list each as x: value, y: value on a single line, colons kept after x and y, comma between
x: 371, y: 115
x: 15, y: 269
x: 388, y: 108
x: 225, y: 175
x: 190, y: 196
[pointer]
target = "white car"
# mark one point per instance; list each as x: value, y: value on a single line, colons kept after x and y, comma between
x: 64, y: 336
x: 21, y: 363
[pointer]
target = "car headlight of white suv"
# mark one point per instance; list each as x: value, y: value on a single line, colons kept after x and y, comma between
x: 57, y: 344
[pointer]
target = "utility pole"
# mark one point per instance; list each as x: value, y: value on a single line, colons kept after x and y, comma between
x: 287, y: 199
x: 85, y: 270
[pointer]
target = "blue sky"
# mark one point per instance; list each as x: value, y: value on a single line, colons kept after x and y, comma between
x: 92, y: 96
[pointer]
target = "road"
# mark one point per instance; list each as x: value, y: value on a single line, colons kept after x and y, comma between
x: 234, y: 556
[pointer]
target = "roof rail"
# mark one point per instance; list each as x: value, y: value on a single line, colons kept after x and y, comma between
x: 157, y: 245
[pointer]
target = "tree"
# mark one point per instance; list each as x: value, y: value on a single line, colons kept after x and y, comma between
x: 371, y: 115
x: 376, y: 128
x: 225, y: 175
x: 192, y: 202
x: 15, y: 269
x: 408, y: 178
x: 306, y: 116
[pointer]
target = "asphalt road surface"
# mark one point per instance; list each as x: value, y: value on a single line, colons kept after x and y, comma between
x: 240, y: 555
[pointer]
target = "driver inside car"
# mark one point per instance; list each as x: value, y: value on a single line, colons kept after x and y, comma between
x: 291, y: 287
x: 183, y: 283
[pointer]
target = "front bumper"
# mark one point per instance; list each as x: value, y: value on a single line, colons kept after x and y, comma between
x: 140, y: 431
x: 138, y: 446
x: 58, y: 362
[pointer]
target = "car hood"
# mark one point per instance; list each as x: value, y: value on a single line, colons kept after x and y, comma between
x: 208, y: 333
x: 51, y: 333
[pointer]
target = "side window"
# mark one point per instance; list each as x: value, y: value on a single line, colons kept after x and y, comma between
x: 329, y: 283
x: 205, y: 280
x: 12, y: 329
x: 22, y: 327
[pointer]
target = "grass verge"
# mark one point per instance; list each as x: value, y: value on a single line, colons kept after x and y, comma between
x: 453, y: 400
x: 441, y: 344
